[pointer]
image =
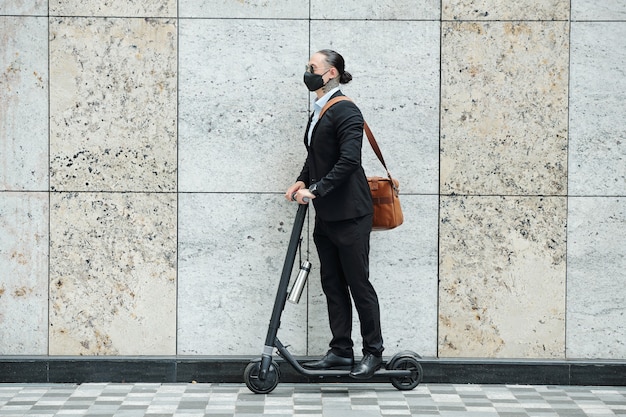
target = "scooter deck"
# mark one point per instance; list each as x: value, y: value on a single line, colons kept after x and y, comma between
x: 338, y: 372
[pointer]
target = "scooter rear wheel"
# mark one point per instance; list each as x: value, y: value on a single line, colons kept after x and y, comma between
x: 406, y: 361
x: 256, y: 385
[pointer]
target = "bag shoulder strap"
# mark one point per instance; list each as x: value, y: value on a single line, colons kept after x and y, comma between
x: 368, y: 131
x: 332, y: 102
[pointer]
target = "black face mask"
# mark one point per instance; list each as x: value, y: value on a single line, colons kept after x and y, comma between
x: 314, y: 81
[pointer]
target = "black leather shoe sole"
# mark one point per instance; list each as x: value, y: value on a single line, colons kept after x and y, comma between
x: 330, y: 361
x: 315, y: 367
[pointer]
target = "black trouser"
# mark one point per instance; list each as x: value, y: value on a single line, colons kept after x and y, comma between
x: 343, y: 248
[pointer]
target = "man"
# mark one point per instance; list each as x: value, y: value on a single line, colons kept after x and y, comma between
x: 333, y: 178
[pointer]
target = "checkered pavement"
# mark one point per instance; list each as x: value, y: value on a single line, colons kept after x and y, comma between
x: 323, y: 400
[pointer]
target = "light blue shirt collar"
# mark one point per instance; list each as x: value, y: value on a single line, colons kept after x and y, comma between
x: 318, y: 105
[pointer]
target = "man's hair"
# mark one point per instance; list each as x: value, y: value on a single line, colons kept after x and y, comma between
x: 334, y: 59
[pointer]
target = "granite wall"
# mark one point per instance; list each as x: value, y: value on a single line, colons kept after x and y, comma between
x: 145, y: 147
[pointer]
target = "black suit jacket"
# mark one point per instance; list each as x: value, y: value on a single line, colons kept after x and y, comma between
x: 334, y: 163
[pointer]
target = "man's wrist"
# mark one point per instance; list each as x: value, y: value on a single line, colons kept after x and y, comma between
x: 313, y: 189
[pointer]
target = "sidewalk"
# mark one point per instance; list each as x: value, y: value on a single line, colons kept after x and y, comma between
x: 326, y: 400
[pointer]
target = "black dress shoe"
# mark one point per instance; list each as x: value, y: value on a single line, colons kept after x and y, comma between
x: 366, y: 368
x: 330, y: 361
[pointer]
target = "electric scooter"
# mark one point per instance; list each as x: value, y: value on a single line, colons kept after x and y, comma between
x: 262, y: 374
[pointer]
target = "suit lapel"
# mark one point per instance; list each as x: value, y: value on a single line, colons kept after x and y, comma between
x: 306, y: 131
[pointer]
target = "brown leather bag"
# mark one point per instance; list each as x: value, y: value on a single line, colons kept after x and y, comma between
x: 385, y: 191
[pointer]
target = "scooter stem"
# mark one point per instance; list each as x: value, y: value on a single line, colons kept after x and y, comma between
x: 281, y: 293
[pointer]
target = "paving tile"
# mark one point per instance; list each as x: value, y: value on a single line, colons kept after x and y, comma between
x: 311, y: 400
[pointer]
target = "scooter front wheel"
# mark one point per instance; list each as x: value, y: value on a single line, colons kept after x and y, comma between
x: 256, y: 385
